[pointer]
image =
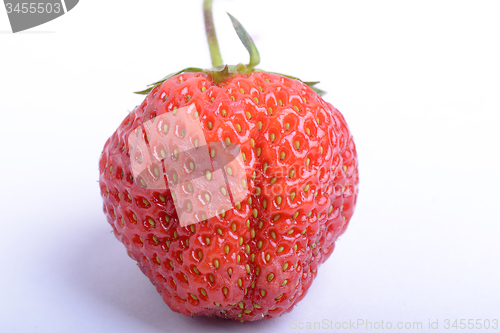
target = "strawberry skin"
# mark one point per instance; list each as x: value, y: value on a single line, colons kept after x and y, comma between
x: 259, y: 259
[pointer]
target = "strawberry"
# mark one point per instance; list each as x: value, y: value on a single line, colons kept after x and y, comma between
x: 230, y: 186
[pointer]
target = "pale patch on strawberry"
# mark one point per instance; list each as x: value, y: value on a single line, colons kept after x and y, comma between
x: 147, y: 173
x: 204, y: 181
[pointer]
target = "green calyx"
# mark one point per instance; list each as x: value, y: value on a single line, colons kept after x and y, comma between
x: 157, y: 83
x: 219, y: 71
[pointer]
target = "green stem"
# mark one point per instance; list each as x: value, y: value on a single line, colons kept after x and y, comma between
x: 213, y: 44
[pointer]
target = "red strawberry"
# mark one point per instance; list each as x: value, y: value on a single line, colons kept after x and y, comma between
x: 293, y: 197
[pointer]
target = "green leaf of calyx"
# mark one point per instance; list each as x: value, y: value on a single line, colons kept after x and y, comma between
x: 247, y: 41
x: 157, y: 83
x: 317, y: 90
x: 310, y: 84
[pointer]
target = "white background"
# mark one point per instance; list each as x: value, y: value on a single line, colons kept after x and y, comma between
x: 418, y: 82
